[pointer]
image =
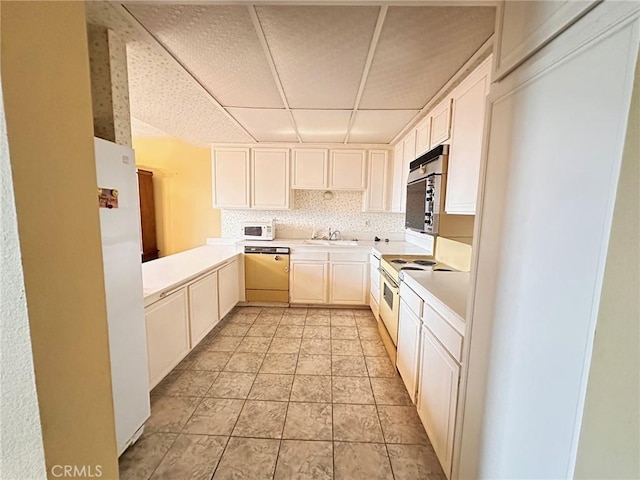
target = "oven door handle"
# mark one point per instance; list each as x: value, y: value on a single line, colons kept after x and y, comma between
x: 388, y: 278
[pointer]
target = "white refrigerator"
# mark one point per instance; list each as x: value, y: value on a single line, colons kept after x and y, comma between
x: 121, y: 239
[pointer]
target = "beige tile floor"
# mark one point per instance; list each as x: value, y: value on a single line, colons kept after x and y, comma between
x: 284, y: 393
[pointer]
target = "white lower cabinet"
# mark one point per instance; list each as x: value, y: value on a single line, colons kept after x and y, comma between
x: 438, y: 396
x: 180, y: 320
x: 167, y: 323
x: 228, y: 288
x: 203, y: 307
x: 408, y: 358
x: 309, y: 282
x: 349, y: 283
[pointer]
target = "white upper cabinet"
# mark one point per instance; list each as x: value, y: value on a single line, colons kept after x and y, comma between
x: 397, y: 205
x: 270, y: 187
x: 310, y: 169
x: 231, y: 178
x: 375, y: 197
x: 423, y: 136
x: 523, y: 27
x: 440, y: 126
x: 347, y: 170
x: 466, y: 141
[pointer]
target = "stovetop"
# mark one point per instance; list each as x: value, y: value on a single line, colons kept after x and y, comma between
x: 394, y: 264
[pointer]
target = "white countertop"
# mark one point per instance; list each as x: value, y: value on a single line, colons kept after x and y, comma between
x: 169, y: 272
x: 172, y: 271
x: 382, y: 248
x: 449, y: 289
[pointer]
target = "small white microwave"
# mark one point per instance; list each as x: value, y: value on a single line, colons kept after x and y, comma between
x: 259, y: 230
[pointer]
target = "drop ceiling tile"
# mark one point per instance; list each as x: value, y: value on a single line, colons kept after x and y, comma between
x: 322, y: 126
x: 218, y: 44
x: 143, y: 129
x: 379, y: 126
x: 419, y: 50
x: 319, y: 51
x: 266, y: 125
x: 165, y: 97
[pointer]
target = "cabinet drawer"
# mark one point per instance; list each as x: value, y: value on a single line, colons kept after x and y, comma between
x: 313, y: 256
x: 411, y: 298
x: 444, y: 332
x: 349, y: 256
x: 374, y: 261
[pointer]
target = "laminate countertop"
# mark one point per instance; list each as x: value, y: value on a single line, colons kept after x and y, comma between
x: 449, y: 290
x: 170, y: 272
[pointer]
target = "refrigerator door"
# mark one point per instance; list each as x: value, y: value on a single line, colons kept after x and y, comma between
x: 120, y: 229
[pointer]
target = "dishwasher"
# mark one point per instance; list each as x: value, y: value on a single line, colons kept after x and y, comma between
x: 266, y: 276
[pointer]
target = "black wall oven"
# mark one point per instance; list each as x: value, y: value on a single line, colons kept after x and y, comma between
x: 425, y: 192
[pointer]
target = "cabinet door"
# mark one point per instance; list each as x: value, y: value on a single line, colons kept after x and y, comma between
x: 349, y: 283
x: 231, y: 178
x: 399, y: 185
x: 408, y: 155
x: 423, y: 136
x: 309, y: 282
x: 438, y: 396
x: 228, y: 288
x: 466, y: 142
x: 310, y: 169
x: 408, y: 349
x: 167, y: 334
x: 347, y: 170
x: 203, y: 307
x: 440, y: 123
x: 270, y: 188
x: 375, y: 198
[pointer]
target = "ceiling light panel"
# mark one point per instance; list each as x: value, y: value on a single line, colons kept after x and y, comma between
x: 322, y: 126
x: 166, y: 97
x: 420, y: 49
x: 266, y: 125
x: 218, y: 44
x: 379, y: 126
x: 319, y: 52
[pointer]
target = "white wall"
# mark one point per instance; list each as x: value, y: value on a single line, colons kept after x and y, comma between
x: 610, y: 435
x: 21, y: 447
x: 553, y: 161
x: 310, y: 210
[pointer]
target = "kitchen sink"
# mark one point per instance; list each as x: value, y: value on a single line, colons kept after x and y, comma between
x: 332, y: 243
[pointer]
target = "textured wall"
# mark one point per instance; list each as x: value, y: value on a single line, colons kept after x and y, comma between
x: 47, y: 97
x: 310, y: 211
x: 21, y: 450
x: 182, y: 190
x: 109, y: 85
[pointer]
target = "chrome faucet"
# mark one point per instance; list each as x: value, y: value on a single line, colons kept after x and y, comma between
x: 336, y: 234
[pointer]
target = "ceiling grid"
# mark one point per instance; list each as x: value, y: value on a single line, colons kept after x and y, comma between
x: 325, y: 73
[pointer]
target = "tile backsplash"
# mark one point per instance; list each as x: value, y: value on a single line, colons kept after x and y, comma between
x: 312, y: 212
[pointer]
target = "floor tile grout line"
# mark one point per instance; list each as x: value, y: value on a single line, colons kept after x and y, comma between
x: 237, y: 418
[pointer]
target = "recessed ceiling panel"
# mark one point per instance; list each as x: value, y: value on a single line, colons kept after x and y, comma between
x: 420, y: 49
x: 379, y: 126
x: 266, y: 125
x: 322, y: 126
x: 319, y: 52
x: 165, y: 97
x: 218, y: 44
